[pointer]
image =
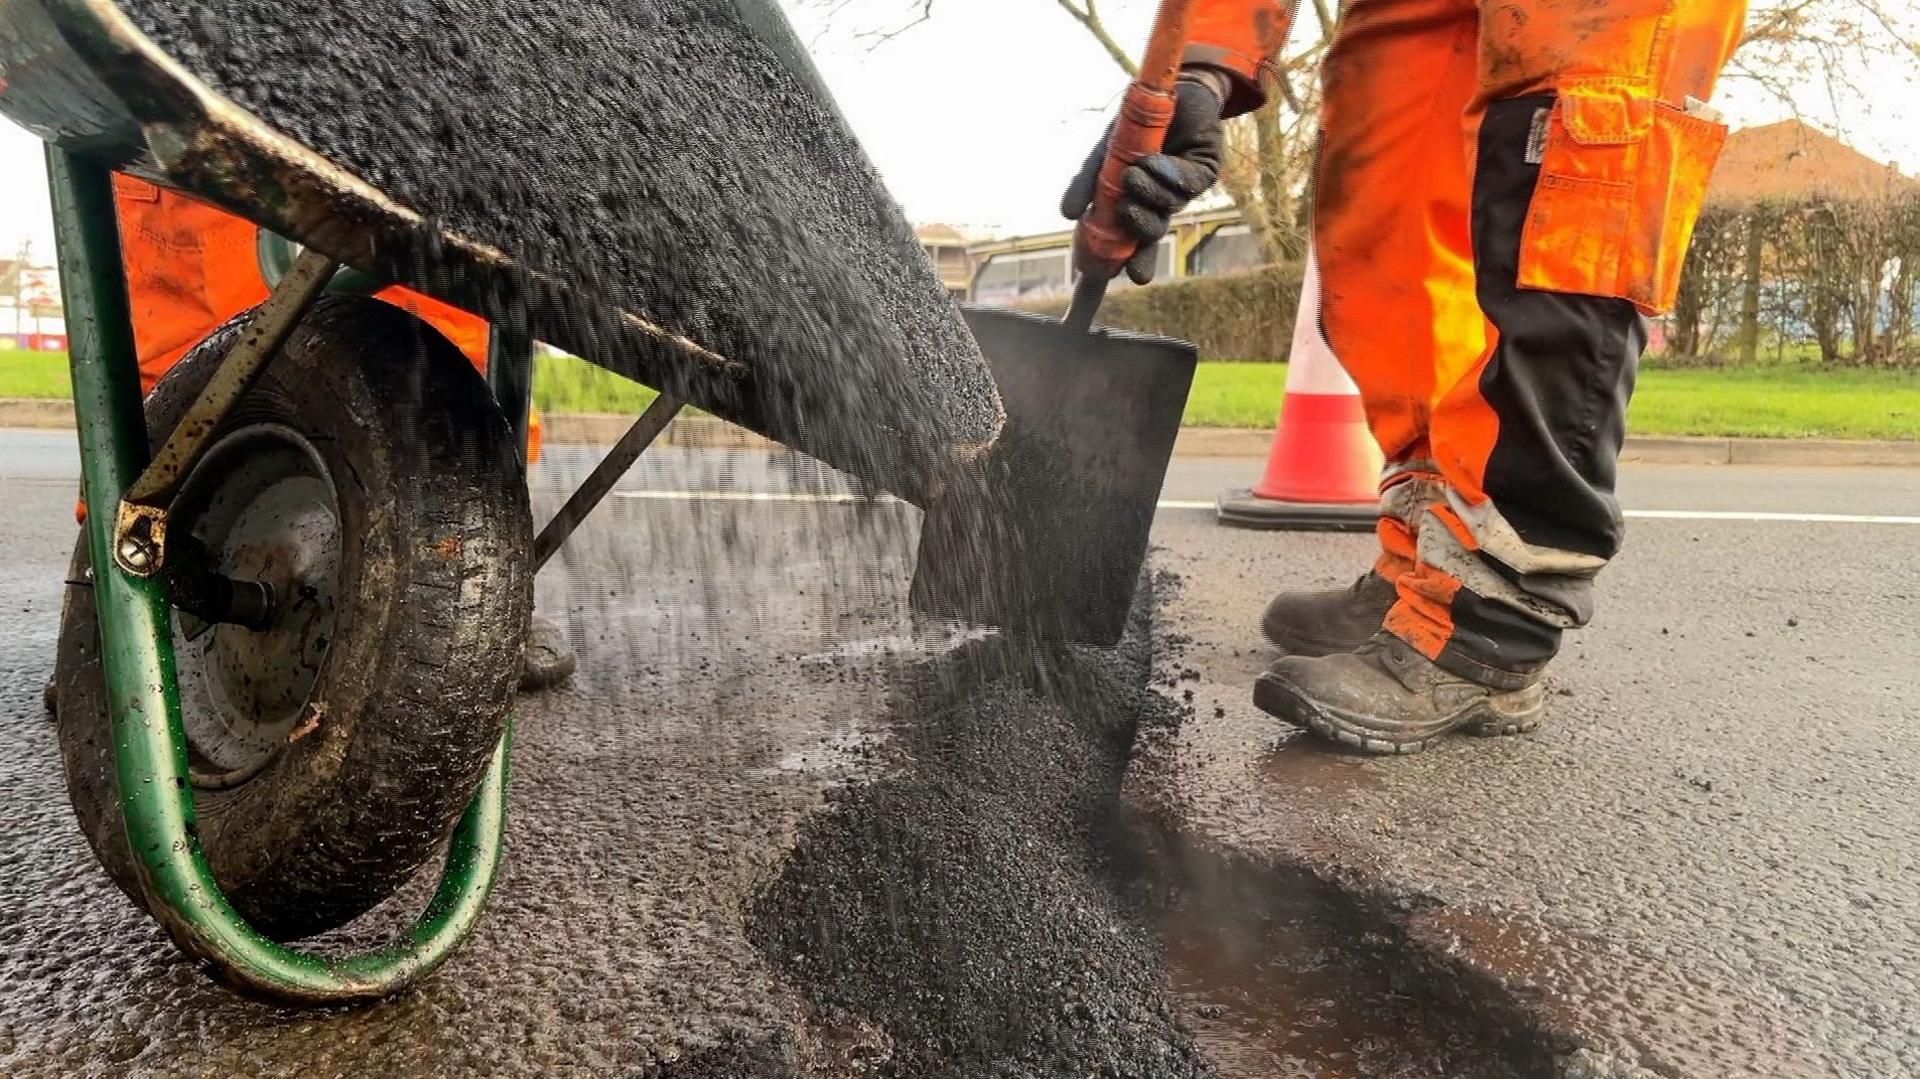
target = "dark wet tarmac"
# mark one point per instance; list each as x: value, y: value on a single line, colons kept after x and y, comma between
x: 1560, y: 902
x: 1275, y: 981
x: 1703, y: 865
x: 749, y: 840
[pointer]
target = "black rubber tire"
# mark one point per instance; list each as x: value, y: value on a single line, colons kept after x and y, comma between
x: 435, y: 593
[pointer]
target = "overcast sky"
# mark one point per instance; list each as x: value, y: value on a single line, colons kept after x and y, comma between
x: 979, y: 116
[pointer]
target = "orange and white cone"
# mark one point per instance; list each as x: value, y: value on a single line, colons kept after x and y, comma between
x: 1323, y: 472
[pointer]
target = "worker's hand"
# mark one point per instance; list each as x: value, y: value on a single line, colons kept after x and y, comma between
x: 1160, y: 186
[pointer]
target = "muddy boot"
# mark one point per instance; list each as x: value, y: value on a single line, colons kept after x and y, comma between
x: 549, y: 658
x: 1384, y: 697
x: 1322, y: 623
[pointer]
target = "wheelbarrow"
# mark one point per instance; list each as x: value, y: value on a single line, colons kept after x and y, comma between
x: 288, y: 651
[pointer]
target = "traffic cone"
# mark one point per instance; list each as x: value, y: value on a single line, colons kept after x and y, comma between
x: 1323, y: 472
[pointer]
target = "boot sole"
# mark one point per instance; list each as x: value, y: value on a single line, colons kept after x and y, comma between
x: 1484, y: 718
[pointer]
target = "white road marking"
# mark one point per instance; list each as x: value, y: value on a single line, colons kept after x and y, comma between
x: 1794, y: 518
x: 845, y: 499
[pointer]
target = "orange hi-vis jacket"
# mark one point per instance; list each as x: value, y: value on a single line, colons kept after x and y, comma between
x: 1501, y: 191
x: 191, y: 267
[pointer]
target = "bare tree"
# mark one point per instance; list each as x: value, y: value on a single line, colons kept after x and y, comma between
x: 1790, y: 48
x: 1267, y: 151
x: 1826, y: 47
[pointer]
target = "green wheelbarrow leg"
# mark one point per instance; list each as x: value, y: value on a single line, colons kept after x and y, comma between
x: 137, y: 656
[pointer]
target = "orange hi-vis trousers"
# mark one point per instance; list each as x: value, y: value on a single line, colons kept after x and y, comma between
x: 1503, y: 191
x: 191, y: 267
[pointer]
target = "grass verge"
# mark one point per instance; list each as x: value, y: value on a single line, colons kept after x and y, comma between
x: 34, y: 374
x: 1769, y: 401
x: 1785, y: 401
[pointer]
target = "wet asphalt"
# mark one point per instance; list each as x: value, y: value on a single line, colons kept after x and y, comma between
x: 649, y: 797
x: 1703, y: 866
x: 696, y: 885
x: 1706, y: 863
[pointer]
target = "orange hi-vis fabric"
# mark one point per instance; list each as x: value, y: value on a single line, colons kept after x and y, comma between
x: 1241, y: 37
x: 191, y: 267
x: 1502, y: 193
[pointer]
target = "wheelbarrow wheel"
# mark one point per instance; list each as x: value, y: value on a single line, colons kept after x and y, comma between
x: 369, y: 477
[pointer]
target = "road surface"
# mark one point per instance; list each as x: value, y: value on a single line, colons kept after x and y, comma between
x: 1708, y: 852
x: 1706, y: 863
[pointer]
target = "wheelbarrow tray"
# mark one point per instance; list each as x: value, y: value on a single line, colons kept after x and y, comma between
x: 82, y: 75
x: 829, y: 333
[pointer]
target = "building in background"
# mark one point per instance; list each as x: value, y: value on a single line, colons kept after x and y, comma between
x: 1780, y: 163
x: 1025, y: 269
x: 1792, y: 162
x: 30, y: 313
x: 947, y: 249
x: 1804, y: 241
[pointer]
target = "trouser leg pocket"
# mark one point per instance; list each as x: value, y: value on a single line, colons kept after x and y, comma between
x: 1622, y: 180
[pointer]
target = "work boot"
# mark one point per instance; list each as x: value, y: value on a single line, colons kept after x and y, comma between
x: 1334, y: 620
x: 1384, y: 697
x: 549, y: 658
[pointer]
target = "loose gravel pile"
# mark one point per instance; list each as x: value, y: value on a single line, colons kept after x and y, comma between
x: 670, y: 157
x: 965, y: 903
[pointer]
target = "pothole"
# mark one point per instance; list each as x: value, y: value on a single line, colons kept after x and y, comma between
x: 1276, y: 976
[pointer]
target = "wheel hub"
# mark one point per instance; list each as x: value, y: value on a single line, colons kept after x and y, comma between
x: 263, y: 504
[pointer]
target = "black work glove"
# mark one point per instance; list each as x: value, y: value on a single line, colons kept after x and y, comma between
x: 1162, y: 185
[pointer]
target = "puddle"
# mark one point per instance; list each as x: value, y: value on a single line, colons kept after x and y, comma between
x: 1281, y: 975
x: 1276, y: 977
x: 1277, y: 992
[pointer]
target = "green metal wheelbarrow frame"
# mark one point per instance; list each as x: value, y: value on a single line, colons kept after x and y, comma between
x: 103, y: 99
x: 144, y: 695
x: 1064, y: 483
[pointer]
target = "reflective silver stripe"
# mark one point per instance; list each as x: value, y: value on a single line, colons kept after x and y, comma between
x: 1498, y: 540
x: 1398, y: 471
x: 1550, y: 598
x: 1409, y: 496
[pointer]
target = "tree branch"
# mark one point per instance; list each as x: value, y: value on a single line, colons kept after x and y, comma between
x: 1324, y: 16
x: 1910, y: 45
x: 1088, y: 16
x: 881, y: 37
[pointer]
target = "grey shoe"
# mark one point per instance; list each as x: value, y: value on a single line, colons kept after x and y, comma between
x: 549, y: 659
x: 1336, y: 620
x: 1384, y: 697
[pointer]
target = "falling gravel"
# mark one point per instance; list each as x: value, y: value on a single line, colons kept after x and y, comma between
x: 671, y: 158
x: 967, y: 902
x: 958, y: 916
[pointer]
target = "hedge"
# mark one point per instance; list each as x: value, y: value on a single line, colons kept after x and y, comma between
x: 1240, y: 316
x: 1840, y: 276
